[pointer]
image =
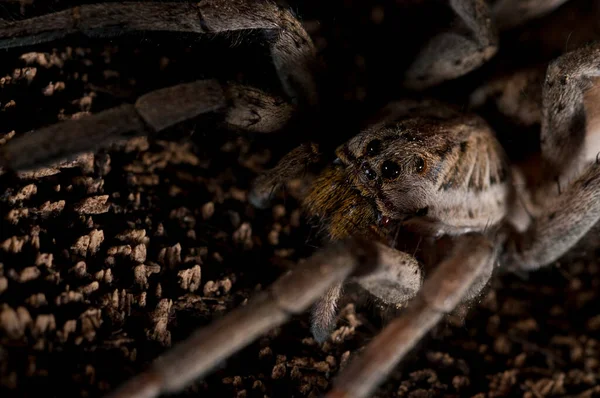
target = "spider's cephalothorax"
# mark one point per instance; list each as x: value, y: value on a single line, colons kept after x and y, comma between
x: 452, y: 172
x: 435, y: 170
x: 428, y: 169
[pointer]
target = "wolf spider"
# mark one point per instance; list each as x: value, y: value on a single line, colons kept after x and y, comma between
x: 421, y: 173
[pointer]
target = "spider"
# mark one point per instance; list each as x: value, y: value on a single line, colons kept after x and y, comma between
x: 421, y: 174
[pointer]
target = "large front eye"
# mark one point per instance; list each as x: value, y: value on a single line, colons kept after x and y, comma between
x: 420, y: 165
x: 373, y: 148
x: 390, y: 170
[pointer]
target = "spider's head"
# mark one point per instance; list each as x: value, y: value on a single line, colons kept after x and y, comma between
x: 420, y: 166
x: 395, y: 165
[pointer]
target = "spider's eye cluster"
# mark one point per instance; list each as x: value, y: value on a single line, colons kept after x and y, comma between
x: 420, y: 165
x: 373, y: 148
x: 390, y: 170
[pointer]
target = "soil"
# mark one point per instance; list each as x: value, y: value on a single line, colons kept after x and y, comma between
x: 108, y: 260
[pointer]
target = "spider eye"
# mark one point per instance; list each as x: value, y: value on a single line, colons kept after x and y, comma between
x: 420, y: 165
x: 373, y: 148
x: 390, y: 170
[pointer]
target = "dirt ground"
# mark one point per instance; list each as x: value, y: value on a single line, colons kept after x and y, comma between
x: 107, y: 261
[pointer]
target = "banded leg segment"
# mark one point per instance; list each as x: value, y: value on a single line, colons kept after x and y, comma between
x: 293, y: 52
x: 245, y: 108
x: 566, y: 204
x: 290, y: 294
x: 394, y: 281
x: 450, y: 283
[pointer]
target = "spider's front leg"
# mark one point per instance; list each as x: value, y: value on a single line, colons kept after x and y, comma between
x: 293, y: 52
x: 394, y: 282
x: 244, y: 108
x: 470, y: 262
x: 296, y: 164
x: 290, y: 294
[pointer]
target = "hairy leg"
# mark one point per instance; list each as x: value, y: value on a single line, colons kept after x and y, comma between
x: 516, y: 96
x: 293, y: 165
x: 512, y: 13
x: 566, y: 204
x: 290, y: 294
x: 467, y: 45
x: 570, y: 137
x: 293, y: 52
x: 394, y: 281
x: 472, y: 257
x: 253, y: 110
x: 324, y: 313
x: 245, y: 108
x: 562, y: 222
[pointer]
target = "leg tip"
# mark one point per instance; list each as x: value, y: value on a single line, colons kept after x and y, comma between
x: 320, y: 334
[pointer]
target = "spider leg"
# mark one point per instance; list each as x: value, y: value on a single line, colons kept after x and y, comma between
x: 291, y: 48
x: 517, y: 95
x: 509, y: 14
x: 324, y: 313
x: 469, y: 43
x: 567, y: 199
x: 294, y: 164
x: 395, y: 281
x: 562, y: 222
x: 253, y: 110
x: 570, y: 136
x: 290, y: 294
x: 450, y: 283
x: 101, y: 20
x: 245, y: 108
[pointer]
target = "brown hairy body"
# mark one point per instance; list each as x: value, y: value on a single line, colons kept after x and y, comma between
x: 339, y: 208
